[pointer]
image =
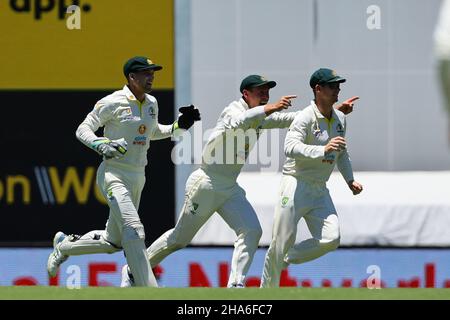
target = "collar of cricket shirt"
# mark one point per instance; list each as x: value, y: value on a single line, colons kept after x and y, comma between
x: 243, y: 103
x: 130, y: 96
x: 319, y: 115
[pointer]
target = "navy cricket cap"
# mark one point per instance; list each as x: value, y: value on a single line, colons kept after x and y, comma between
x: 138, y: 64
x: 255, y: 81
x: 324, y: 75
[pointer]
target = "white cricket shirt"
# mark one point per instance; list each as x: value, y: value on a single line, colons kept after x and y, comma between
x: 123, y: 116
x: 305, y: 146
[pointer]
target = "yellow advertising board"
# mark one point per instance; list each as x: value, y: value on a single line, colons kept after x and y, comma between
x: 82, y: 44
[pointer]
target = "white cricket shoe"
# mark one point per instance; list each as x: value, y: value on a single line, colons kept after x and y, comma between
x: 127, y: 279
x: 56, y: 258
x: 236, y: 286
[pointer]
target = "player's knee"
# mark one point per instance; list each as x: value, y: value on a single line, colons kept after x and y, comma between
x: 331, y: 244
x: 111, y: 245
x: 253, y: 234
x: 258, y: 233
x: 177, y: 238
x: 335, y: 243
x: 112, y: 249
x: 133, y: 233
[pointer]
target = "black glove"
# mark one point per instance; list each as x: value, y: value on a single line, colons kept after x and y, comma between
x: 188, y: 116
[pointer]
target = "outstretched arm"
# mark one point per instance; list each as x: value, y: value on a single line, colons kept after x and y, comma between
x: 277, y: 119
x: 243, y: 120
x: 346, y: 107
x: 162, y: 131
x: 188, y: 115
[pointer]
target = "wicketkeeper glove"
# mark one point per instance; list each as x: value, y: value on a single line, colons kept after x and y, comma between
x: 110, y: 148
x: 189, y: 115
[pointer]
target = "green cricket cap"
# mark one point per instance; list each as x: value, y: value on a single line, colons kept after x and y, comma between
x: 255, y: 80
x: 324, y: 75
x: 139, y: 63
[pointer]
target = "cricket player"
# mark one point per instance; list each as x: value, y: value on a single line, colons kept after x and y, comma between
x: 130, y: 120
x: 314, y: 144
x: 213, y: 187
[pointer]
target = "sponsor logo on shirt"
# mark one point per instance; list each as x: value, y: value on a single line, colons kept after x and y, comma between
x: 339, y: 129
x: 141, y: 140
x: 127, y: 115
x: 126, y: 111
x: 130, y: 118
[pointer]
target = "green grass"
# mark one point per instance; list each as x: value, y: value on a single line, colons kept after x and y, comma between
x: 110, y: 293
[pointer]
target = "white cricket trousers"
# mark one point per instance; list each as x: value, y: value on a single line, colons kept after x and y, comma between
x: 204, y: 195
x: 122, y: 188
x: 310, y: 200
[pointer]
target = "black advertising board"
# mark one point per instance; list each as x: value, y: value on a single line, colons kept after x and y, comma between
x: 48, y: 177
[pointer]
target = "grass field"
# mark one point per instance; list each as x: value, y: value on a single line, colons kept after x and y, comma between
x: 109, y: 293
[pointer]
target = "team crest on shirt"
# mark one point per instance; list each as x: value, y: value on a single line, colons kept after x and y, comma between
x: 142, y: 129
x: 110, y: 195
x: 284, y: 201
x: 151, y: 112
x: 339, y: 128
x: 193, y: 208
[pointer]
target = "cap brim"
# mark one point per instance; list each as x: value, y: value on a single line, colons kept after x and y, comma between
x: 271, y: 84
x: 337, y: 79
x: 151, y: 67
